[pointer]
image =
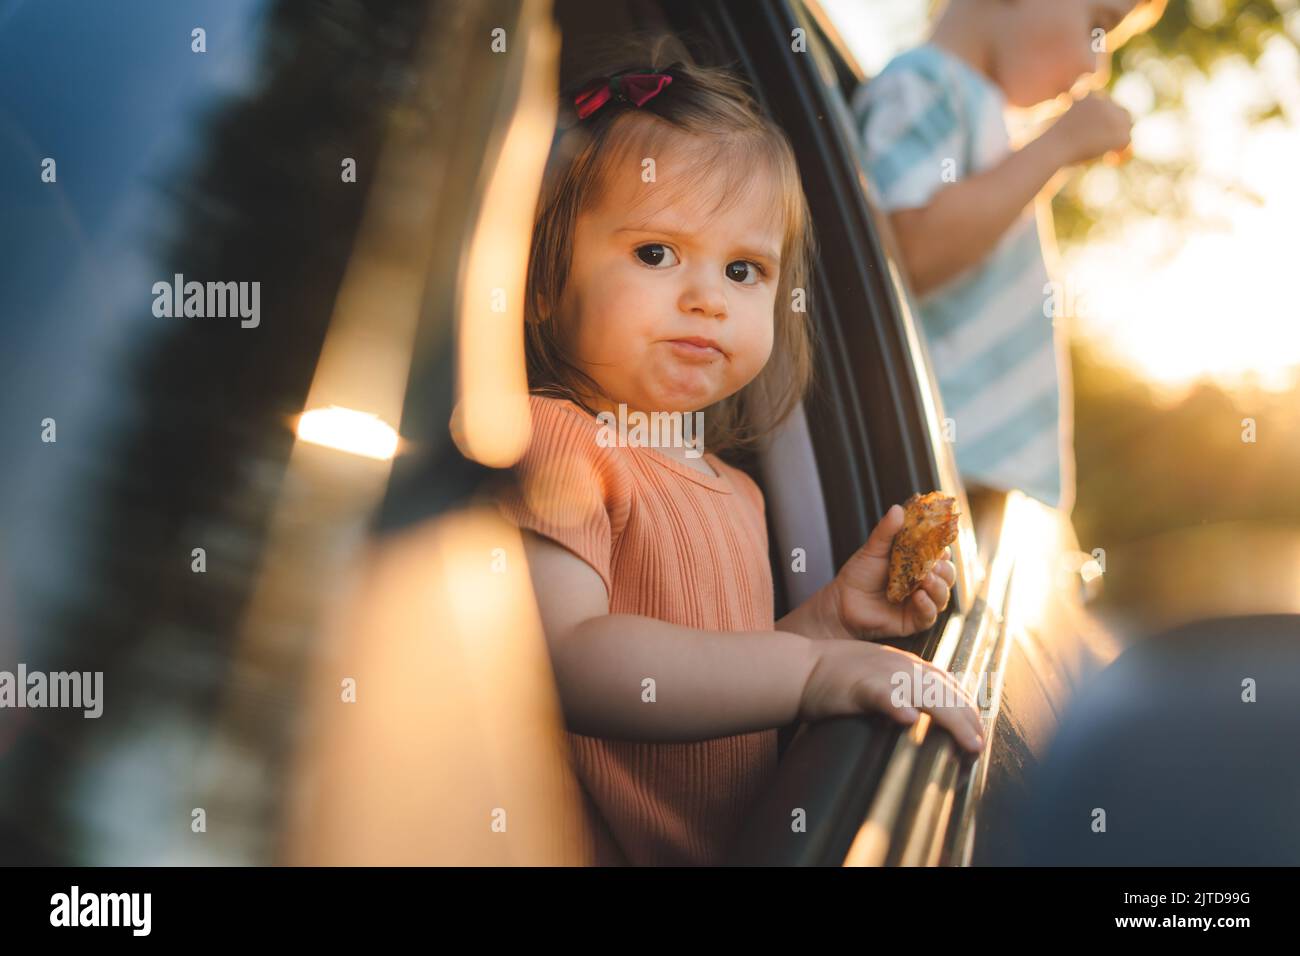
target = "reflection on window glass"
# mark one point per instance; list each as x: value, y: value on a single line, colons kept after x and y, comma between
x: 196, y: 159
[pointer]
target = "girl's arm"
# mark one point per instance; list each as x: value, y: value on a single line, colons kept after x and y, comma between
x: 707, y: 683
x: 716, y: 684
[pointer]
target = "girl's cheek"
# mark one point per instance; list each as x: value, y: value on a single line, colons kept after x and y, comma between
x: 760, y: 342
x: 611, y: 325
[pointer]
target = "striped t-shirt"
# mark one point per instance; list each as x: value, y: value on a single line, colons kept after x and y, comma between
x: 928, y: 120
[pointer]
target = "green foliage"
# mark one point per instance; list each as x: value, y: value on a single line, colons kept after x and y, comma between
x: 1190, y: 39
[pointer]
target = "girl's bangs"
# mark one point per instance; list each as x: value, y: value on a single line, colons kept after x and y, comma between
x: 723, y: 166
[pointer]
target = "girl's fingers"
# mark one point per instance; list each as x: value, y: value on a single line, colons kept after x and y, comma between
x: 937, y: 589
x: 957, y: 722
x: 957, y: 713
x: 904, y: 715
x: 952, y: 708
x: 882, y: 536
x: 924, y: 608
x: 861, y: 614
x: 946, y: 570
x: 964, y: 702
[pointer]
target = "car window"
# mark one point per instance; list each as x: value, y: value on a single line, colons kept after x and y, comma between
x: 843, y: 76
x: 191, y: 216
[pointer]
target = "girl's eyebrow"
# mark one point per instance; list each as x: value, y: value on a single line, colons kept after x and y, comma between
x: 763, y: 255
x: 767, y: 255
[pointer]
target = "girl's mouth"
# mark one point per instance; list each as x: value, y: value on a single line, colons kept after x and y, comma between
x: 697, y: 348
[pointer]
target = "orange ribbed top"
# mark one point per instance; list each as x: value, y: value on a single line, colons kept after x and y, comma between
x: 672, y: 543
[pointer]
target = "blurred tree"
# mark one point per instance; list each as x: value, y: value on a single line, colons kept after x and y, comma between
x: 1193, y: 38
x: 199, y: 458
x: 1151, y: 467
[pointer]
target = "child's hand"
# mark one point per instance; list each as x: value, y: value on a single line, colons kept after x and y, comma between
x: 856, y: 602
x: 1092, y: 127
x: 853, y: 678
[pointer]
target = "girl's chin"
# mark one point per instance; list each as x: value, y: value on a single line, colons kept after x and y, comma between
x: 686, y: 399
x: 678, y: 405
x: 681, y: 393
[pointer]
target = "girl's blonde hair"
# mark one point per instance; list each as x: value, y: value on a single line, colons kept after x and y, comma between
x: 729, y: 137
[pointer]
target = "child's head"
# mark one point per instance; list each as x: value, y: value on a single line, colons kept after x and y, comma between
x: 664, y: 227
x: 1040, y: 48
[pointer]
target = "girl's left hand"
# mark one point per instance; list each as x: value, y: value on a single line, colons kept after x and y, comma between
x: 855, y: 605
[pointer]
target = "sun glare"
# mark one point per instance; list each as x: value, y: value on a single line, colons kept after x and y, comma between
x: 1222, y: 308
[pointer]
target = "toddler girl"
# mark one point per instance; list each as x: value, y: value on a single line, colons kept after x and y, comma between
x: 671, y: 236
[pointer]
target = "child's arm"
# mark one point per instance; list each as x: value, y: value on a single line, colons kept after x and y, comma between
x: 715, y: 684
x: 962, y: 223
x: 708, y: 684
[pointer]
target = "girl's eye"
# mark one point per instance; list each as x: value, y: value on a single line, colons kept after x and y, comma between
x: 656, y: 254
x: 744, y: 272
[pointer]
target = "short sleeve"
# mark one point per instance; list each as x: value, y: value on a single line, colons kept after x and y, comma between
x: 912, y: 137
x: 567, y: 487
x: 749, y: 488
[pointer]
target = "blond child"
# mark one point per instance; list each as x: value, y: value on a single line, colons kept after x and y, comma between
x: 959, y: 198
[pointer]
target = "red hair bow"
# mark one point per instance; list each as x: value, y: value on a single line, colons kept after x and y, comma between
x: 634, y: 88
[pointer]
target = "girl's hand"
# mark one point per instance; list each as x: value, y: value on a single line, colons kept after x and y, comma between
x: 854, y: 604
x: 853, y: 678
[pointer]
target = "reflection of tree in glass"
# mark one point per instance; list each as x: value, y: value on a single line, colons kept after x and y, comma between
x: 199, y: 465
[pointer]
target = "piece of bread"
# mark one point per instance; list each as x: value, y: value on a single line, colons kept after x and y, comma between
x: 929, y: 526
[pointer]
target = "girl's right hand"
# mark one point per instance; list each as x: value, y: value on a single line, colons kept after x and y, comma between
x: 850, y: 677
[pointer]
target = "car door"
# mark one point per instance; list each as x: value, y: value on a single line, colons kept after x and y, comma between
x: 864, y: 790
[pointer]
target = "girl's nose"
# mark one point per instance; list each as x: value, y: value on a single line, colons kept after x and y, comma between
x: 704, y: 297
